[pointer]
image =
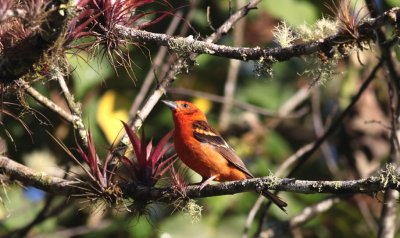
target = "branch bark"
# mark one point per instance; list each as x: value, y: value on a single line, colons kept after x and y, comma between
x: 191, y: 45
x: 386, y: 179
x: 29, y: 177
x: 387, y: 227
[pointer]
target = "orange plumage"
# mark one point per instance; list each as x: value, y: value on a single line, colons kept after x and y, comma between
x: 203, y: 150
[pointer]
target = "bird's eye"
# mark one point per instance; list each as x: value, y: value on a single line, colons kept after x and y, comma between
x: 185, y: 105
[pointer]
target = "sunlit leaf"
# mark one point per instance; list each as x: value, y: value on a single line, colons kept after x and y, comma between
x: 293, y: 12
x: 110, y: 113
x: 88, y: 72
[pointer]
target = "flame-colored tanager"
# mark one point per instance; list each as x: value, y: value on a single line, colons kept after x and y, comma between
x: 203, y: 149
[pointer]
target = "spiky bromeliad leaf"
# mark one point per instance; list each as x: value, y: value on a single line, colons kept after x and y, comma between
x: 150, y: 163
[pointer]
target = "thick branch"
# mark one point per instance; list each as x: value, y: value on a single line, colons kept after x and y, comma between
x: 369, y: 185
x: 29, y: 177
x: 191, y: 45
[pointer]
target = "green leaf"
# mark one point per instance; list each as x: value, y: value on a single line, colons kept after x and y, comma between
x: 11, y: 214
x: 88, y: 72
x: 277, y: 147
x: 140, y: 228
x: 393, y: 3
x: 293, y: 12
x: 180, y: 226
x: 266, y: 94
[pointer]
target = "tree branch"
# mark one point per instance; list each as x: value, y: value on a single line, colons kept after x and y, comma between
x: 175, y: 69
x: 332, y: 128
x: 75, y: 107
x: 28, y: 177
x: 40, y: 98
x: 191, y: 45
x: 387, y: 226
x: 282, y: 229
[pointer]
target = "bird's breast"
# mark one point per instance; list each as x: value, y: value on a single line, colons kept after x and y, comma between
x: 204, y: 159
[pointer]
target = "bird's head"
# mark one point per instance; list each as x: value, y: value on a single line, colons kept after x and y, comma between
x: 185, y: 110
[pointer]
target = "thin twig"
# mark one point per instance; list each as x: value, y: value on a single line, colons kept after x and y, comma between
x: 284, y: 229
x: 252, y: 214
x: 209, y: 20
x: 387, y: 226
x: 73, y: 106
x: 319, y: 131
x: 332, y: 128
x: 238, y: 104
x: 42, y: 216
x: 148, y: 81
x: 289, y: 162
x: 40, y: 98
x: 233, y: 73
x: 316, y: 145
x: 365, y: 210
x: 176, y: 68
x: 75, y: 231
x: 284, y: 110
x: 39, y: 218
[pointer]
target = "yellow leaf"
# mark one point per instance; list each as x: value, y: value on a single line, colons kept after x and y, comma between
x: 203, y: 104
x: 110, y: 114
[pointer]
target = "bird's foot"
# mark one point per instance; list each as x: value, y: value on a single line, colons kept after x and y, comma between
x: 207, y: 181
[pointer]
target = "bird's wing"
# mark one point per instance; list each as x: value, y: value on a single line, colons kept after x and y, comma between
x: 206, y: 134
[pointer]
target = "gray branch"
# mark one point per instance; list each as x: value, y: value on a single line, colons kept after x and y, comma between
x: 29, y: 177
x: 385, y: 179
x: 191, y: 45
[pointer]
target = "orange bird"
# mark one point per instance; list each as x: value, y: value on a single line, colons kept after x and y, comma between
x: 203, y: 150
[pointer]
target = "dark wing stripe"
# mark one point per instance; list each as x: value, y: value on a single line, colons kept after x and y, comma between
x: 213, y: 139
x: 205, y: 134
x: 202, y: 125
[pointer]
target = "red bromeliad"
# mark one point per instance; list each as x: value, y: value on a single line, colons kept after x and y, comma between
x: 99, y: 174
x: 98, y: 19
x: 149, y: 162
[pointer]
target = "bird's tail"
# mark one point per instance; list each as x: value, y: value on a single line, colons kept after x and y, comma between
x: 276, y: 200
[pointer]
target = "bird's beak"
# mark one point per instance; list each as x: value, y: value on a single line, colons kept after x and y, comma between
x: 170, y: 104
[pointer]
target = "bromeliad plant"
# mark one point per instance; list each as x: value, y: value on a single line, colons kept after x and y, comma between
x: 97, y: 22
x: 100, y: 184
x: 145, y: 168
x: 348, y: 17
x: 98, y: 173
x: 28, y: 29
x: 149, y: 163
x: 98, y: 18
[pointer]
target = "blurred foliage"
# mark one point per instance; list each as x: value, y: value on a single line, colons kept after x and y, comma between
x: 106, y: 94
x: 292, y: 11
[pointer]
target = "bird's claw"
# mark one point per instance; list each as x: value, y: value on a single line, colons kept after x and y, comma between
x: 206, y: 182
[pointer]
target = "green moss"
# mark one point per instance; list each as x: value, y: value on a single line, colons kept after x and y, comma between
x: 193, y: 210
